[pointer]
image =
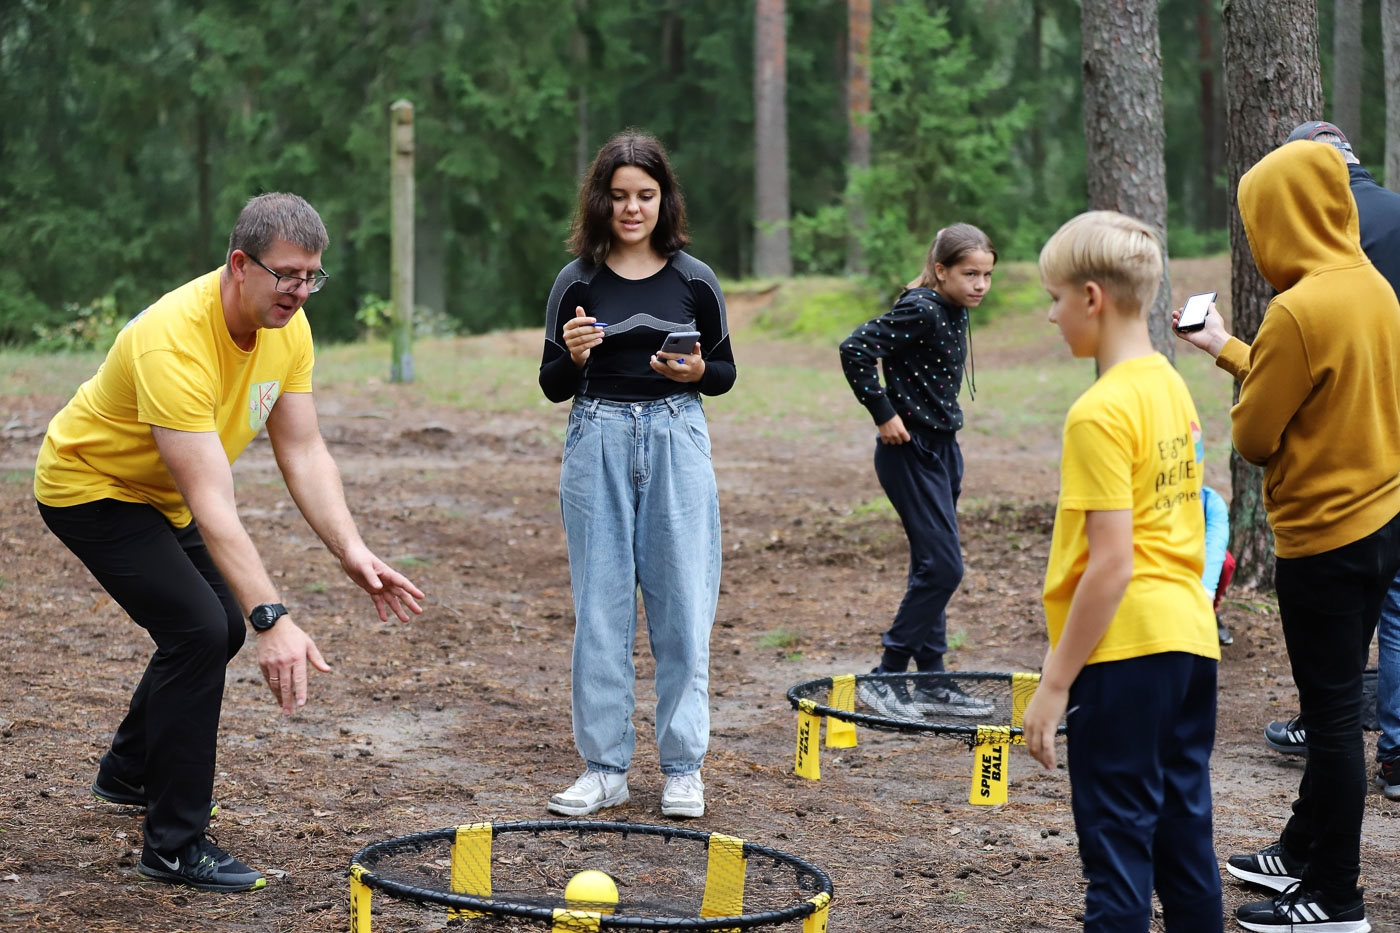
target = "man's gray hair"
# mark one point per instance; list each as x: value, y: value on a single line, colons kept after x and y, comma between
x: 277, y: 216
x: 1336, y: 142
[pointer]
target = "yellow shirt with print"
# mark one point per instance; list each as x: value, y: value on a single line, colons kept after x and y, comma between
x: 1133, y: 441
x: 174, y: 366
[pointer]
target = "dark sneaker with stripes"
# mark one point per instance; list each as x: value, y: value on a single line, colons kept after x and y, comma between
x: 1271, y: 867
x: 201, y: 864
x: 1288, y: 737
x: 1388, y: 778
x: 1296, y: 909
x: 111, y: 789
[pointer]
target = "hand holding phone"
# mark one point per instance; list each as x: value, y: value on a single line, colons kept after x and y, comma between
x: 1193, y: 316
x: 681, y: 341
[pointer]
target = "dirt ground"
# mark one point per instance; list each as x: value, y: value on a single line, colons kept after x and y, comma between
x: 463, y: 714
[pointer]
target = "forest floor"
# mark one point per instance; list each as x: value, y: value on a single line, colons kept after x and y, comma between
x: 462, y: 715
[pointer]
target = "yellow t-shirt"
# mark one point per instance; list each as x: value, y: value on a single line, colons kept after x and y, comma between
x: 175, y: 366
x: 1133, y: 441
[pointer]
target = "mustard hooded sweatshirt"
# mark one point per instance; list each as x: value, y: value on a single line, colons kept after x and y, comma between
x: 1319, y: 404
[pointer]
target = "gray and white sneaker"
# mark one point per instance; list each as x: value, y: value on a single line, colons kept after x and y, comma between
x: 886, y: 699
x: 950, y: 700
x: 593, y: 791
x: 200, y: 864
x: 683, y: 795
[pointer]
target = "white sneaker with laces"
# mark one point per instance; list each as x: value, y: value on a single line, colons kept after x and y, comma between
x: 683, y: 795
x: 593, y: 791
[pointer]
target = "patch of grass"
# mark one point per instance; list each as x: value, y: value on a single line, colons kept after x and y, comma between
x: 779, y: 638
x: 818, y: 309
x: 409, y: 560
x: 957, y: 640
x: 19, y: 477
x: 28, y: 372
x: 879, y: 506
x: 317, y: 587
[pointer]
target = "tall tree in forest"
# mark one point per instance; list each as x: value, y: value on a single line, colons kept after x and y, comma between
x: 1346, y: 68
x: 772, y: 255
x: 1273, y: 82
x: 1212, y: 127
x: 1123, y: 128
x: 858, y: 115
x: 1390, y: 38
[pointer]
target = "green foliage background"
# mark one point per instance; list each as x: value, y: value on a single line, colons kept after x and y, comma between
x: 132, y: 131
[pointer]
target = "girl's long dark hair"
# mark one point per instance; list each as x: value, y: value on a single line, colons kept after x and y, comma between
x: 951, y: 246
x: 590, y: 237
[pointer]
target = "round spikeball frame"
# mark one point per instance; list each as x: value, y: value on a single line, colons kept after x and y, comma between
x: 499, y: 874
x: 984, y: 710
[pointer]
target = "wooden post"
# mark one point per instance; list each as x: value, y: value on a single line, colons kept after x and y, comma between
x: 401, y: 237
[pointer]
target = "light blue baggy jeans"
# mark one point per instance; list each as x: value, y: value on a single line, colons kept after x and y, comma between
x: 637, y: 491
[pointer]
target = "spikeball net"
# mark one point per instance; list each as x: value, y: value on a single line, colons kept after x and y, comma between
x: 984, y: 710
x: 514, y: 876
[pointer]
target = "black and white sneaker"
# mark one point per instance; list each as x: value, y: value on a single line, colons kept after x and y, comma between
x: 1271, y: 867
x: 202, y: 865
x: 951, y: 700
x: 886, y: 699
x: 1296, y: 909
x: 1288, y: 737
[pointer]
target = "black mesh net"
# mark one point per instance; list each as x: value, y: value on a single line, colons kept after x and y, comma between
x: 515, y: 876
x: 954, y: 703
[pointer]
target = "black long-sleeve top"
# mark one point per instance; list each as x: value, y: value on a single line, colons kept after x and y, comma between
x: 923, y: 340
x: 639, y: 313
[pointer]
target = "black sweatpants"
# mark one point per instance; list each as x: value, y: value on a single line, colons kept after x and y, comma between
x: 923, y: 479
x: 1329, y: 605
x: 166, y: 581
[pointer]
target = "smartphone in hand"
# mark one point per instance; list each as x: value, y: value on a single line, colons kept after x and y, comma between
x: 682, y: 341
x: 1193, y: 316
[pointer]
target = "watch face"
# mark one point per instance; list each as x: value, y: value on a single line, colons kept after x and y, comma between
x: 265, y: 616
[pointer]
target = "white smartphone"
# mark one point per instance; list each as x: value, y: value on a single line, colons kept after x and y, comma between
x: 682, y: 341
x: 1193, y: 316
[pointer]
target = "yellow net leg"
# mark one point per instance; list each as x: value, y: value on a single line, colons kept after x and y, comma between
x: 359, y: 902
x: 576, y: 921
x: 471, y: 865
x: 815, y: 922
x: 808, y: 763
x: 841, y: 733
x: 1022, y: 689
x: 989, y: 761
x: 724, y: 878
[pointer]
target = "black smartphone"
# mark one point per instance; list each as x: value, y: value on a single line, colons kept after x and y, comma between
x: 682, y: 341
x: 1193, y: 316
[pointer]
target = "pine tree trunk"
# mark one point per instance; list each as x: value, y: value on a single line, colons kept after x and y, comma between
x: 1212, y: 128
x: 1123, y: 128
x: 1273, y: 82
x: 1346, y: 69
x: 1390, y: 36
x: 858, y: 121
x: 772, y: 255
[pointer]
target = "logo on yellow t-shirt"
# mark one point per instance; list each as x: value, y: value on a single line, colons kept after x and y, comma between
x: 261, y: 397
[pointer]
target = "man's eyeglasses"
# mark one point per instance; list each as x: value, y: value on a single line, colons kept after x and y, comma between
x: 288, y: 284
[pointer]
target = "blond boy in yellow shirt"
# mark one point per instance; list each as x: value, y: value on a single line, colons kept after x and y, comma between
x: 1133, y: 647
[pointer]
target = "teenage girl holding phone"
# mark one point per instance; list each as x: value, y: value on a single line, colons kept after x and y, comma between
x: 636, y: 486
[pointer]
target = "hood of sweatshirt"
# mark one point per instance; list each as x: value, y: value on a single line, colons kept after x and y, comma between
x: 1299, y: 213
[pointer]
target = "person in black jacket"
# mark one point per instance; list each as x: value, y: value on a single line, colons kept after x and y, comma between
x: 923, y: 340
x: 1378, y: 211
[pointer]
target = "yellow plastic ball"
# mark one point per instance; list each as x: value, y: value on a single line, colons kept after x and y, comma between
x: 591, y: 890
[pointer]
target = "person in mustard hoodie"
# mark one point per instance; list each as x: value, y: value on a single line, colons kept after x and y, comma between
x: 1319, y: 410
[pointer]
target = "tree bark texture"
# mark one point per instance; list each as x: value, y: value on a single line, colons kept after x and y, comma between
x: 1390, y: 37
x: 1212, y: 128
x: 1273, y: 82
x: 858, y: 119
x: 1123, y: 127
x: 772, y: 249
x: 1346, y: 69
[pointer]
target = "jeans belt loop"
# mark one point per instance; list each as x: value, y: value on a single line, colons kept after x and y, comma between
x: 674, y: 405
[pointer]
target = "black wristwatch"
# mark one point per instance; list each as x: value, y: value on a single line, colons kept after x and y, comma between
x: 266, y: 615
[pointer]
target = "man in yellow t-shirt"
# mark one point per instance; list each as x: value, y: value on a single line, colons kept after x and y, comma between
x: 1133, y: 647
x: 134, y: 477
